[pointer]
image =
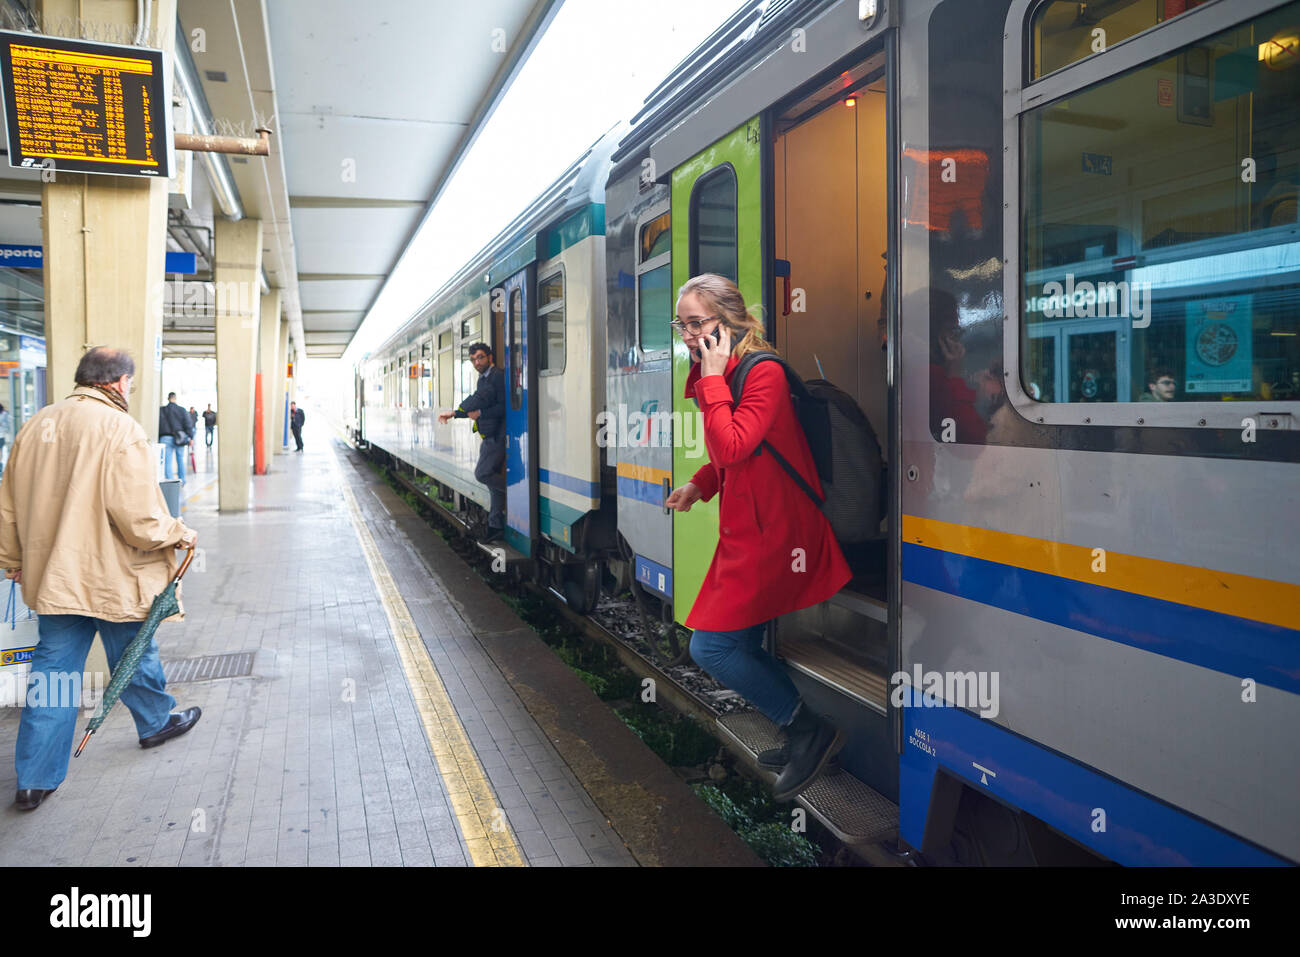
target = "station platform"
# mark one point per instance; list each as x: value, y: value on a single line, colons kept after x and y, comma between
x: 367, y: 700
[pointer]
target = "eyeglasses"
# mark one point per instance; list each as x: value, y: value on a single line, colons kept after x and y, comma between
x: 693, y: 326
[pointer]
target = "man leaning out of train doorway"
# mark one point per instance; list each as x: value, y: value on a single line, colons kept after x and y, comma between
x: 776, y: 551
x: 487, y: 407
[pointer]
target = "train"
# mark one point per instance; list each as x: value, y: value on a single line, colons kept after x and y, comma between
x: 1050, y: 250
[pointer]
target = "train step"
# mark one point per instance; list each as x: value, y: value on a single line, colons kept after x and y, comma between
x: 502, y: 555
x: 851, y: 810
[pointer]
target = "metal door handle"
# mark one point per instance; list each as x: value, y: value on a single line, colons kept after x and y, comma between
x: 668, y: 490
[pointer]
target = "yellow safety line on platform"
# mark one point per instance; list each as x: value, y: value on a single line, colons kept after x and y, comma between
x: 482, y: 820
x: 190, y: 500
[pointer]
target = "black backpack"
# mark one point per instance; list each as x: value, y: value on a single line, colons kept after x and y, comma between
x: 843, y: 446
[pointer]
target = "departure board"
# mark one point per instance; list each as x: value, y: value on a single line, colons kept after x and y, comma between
x: 85, y: 107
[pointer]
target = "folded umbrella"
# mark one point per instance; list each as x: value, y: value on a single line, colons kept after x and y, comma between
x: 163, y: 606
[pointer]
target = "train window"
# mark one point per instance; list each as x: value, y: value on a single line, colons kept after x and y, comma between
x: 714, y: 233
x: 471, y: 332
x: 550, y: 313
x: 1159, y: 253
x: 515, y: 321
x: 654, y: 298
x: 1067, y: 31
x: 426, y: 374
x: 446, y: 392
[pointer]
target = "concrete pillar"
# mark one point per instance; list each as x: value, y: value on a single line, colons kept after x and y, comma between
x: 280, y: 438
x: 268, y: 360
x: 105, y: 240
x: 237, y: 275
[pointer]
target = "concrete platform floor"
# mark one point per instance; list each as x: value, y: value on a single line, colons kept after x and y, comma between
x: 373, y: 729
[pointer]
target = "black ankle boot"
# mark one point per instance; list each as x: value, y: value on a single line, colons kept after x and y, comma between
x: 812, y: 741
x: 774, y: 759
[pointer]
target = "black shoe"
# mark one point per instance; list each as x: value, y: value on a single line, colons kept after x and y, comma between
x: 774, y: 759
x: 177, y: 724
x: 812, y: 742
x: 493, y: 535
x: 29, y: 799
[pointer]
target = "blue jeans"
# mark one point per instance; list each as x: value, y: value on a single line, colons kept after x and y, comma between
x: 737, y: 660
x: 48, y: 721
x: 173, y: 451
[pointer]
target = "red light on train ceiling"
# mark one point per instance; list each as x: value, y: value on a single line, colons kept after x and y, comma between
x: 851, y: 101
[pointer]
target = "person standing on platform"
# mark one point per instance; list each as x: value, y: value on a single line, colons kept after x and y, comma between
x: 487, y: 406
x: 209, y: 423
x: 296, y: 418
x: 85, y: 531
x: 175, y: 430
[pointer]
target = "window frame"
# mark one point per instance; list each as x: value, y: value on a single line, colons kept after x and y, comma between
x: 438, y: 349
x: 641, y: 268
x: 693, y: 216
x: 1023, y: 95
x: 543, y: 311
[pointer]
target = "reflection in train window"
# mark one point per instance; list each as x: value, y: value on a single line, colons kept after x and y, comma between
x: 550, y: 313
x: 714, y: 233
x: 1066, y: 31
x: 1160, y: 227
x: 446, y: 398
x: 471, y: 333
x: 654, y: 299
x: 516, y: 323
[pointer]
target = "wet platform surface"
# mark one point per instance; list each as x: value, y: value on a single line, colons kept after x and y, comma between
x: 383, y: 720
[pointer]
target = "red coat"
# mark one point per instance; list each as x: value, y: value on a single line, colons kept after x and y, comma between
x: 776, y: 551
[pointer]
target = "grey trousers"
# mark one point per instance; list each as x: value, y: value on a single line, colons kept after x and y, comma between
x: 488, y: 471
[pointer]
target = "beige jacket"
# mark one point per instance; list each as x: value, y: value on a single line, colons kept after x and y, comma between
x: 82, y: 515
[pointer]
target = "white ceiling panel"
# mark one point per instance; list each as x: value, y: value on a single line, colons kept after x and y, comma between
x: 351, y: 240
x: 348, y: 156
x: 336, y: 294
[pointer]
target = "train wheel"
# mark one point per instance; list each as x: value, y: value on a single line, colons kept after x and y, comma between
x: 582, y: 587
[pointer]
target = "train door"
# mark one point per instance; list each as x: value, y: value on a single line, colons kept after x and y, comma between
x: 717, y: 195
x: 521, y: 412
x: 831, y: 232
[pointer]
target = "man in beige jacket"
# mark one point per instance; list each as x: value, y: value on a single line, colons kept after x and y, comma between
x: 85, y: 530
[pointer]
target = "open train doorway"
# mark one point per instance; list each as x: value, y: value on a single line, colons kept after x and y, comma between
x: 830, y: 243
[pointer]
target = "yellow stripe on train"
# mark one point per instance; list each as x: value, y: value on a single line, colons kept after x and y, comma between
x: 645, y: 473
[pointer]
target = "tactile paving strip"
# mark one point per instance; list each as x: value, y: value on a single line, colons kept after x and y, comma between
x: 209, y: 668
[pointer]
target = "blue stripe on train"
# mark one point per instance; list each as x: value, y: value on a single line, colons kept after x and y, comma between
x: 640, y: 490
x: 569, y: 483
x: 1120, y: 822
x: 1270, y: 654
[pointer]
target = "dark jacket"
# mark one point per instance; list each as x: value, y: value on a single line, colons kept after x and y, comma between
x: 490, y: 401
x: 296, y: 418
x: 209, y: 419
x: 172, y: 419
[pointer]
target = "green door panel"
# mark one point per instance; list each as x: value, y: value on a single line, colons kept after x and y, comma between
x: 695, y: 533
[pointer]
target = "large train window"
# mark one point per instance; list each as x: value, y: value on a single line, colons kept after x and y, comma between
x: 515, y: 321
x: 1067, y: 31
x: 550, y: 313
x: 1159, y: 244
x: 714, y: 233
x: 471, y: 333
x: 654, y: 293
x: 446, y: 394
x: 426, y: 374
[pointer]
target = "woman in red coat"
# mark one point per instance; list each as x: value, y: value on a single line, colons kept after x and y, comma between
x: 776, y: 552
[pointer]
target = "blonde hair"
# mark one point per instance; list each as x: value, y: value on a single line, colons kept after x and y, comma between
x: 722, y: 298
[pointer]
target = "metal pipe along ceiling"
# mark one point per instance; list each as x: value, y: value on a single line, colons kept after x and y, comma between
x: 214, y: 164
